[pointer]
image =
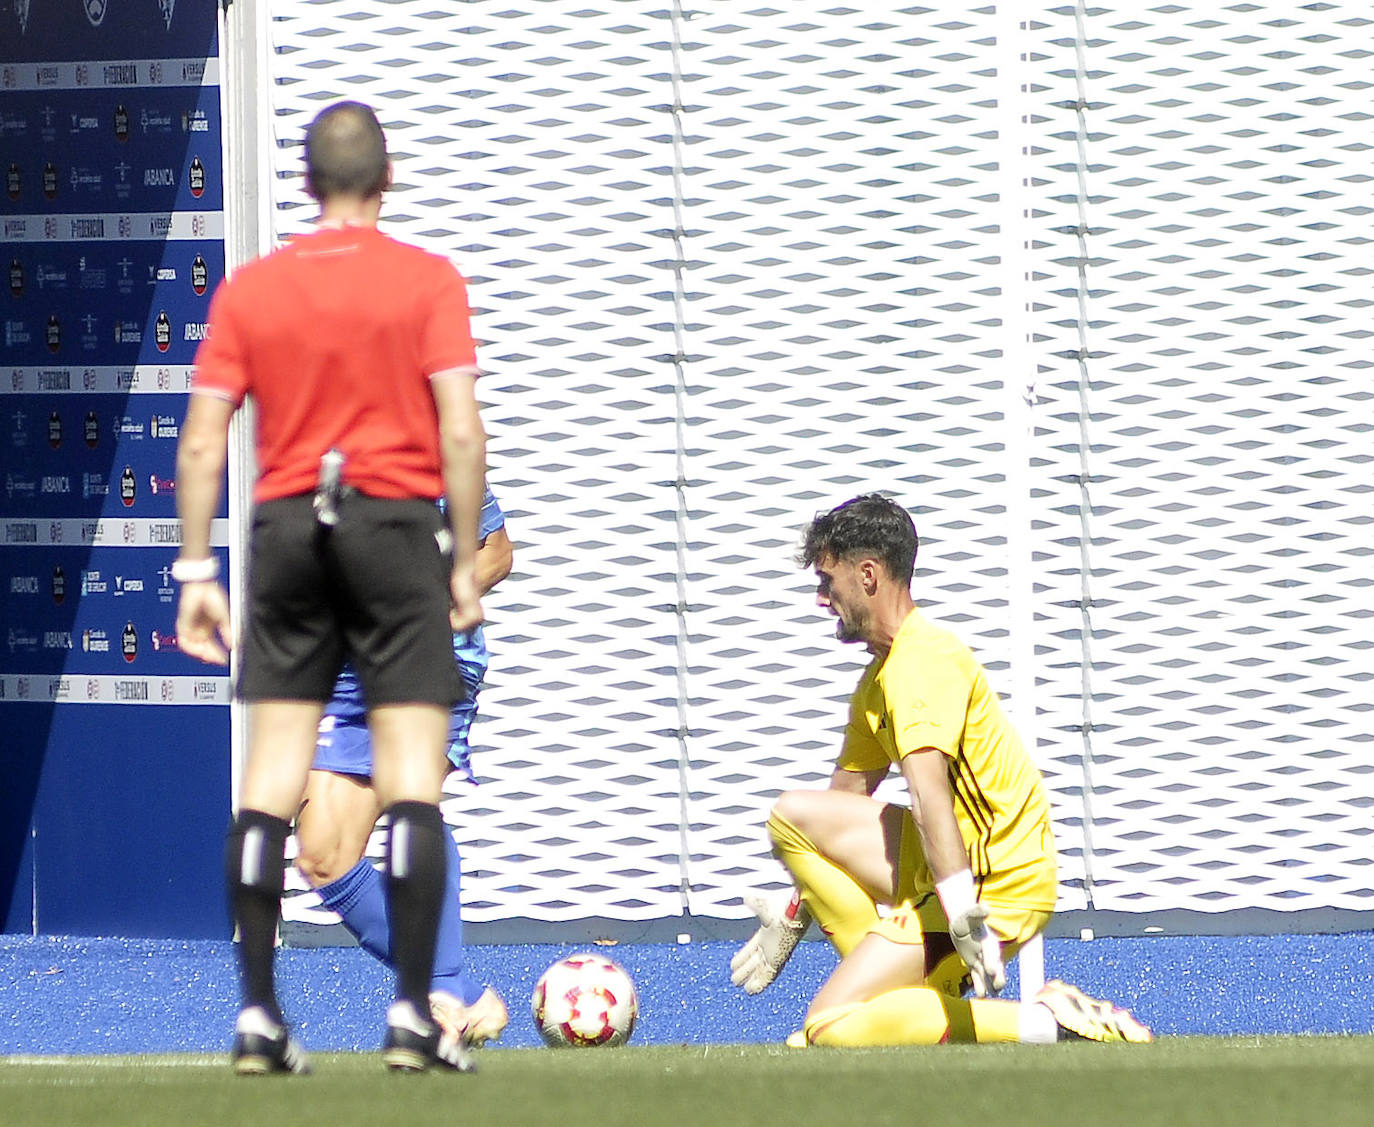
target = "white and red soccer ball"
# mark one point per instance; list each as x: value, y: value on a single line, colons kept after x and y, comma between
x: 585, y: 1001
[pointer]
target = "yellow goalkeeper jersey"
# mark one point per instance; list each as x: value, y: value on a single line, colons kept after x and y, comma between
x: 931, y: 692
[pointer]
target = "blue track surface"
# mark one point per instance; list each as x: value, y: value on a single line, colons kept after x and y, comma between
x: 60, y: 996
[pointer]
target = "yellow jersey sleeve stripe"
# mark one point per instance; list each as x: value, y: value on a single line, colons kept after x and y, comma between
x: 980, y: 815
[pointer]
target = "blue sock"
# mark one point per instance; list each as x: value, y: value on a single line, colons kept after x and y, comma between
x: 450, y: 957
x: 359, y: 897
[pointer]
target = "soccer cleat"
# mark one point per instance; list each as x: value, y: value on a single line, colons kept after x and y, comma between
x: 485, y: 1020
x: 413, y: 1044
x: 1088, y: 1019
x: 262, y: 1045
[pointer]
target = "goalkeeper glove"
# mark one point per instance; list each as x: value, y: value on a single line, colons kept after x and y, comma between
x: 979, y: 949
x: 968, y: 928
x: 781, y: 926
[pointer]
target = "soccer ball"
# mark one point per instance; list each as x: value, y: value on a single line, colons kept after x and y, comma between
x: 585, y: 1001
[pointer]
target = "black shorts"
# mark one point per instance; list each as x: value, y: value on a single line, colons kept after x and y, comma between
x: 373, y: 588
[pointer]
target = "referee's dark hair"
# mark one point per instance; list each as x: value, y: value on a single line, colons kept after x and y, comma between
x: 871, y: 526
x: 345, y: 153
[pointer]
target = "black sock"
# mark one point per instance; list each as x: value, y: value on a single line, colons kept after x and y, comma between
x: 416, y: 867
x: 255, y: 868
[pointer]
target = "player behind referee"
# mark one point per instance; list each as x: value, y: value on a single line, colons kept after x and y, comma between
x: 357, y: 352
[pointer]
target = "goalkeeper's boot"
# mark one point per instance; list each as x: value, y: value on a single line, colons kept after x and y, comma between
x: 485, y: 1020
x: 262, y: 1045
x: 413, y: 1044
x: 1088, y: 1019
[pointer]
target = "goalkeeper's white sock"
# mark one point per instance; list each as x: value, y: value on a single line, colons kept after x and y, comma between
x: 1037, y: 1025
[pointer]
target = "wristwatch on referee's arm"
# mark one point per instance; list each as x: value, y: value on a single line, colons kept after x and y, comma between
x: 195, y: 571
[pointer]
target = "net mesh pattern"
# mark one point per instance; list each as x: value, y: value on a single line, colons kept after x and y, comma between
x: 733, y: 265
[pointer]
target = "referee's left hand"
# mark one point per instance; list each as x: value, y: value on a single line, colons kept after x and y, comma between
x: 204, y: 630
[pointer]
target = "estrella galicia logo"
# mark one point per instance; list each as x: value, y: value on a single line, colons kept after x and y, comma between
x: 95, y: 11
x: 128, y: 488
x: 54, y: 334
x: 92, y: 430
x: 59, y: 585
x: 16, y: 278
x: 200, y: 276
x: 196, y: 178
x: 14, y: 182
x: 128, y: 642
x: 50, y: 181
x: 121, y: 123
x: 162, y: 332
x: 55, y: 431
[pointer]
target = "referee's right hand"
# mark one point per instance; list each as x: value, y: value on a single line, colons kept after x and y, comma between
x: 204, y: 629
x: 465, y: 607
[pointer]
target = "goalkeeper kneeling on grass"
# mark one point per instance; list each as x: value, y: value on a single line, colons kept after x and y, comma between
x: 968, y: 871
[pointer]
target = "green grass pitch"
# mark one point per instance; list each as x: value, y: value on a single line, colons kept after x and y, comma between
x: 1217, y: 1082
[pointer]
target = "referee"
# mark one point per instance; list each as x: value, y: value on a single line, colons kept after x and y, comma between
x: 357, y: 351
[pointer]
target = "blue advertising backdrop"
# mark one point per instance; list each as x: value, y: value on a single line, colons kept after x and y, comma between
x: 114, y: 758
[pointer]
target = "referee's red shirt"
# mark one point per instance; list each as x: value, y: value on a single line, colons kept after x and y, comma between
x: 335, y: 335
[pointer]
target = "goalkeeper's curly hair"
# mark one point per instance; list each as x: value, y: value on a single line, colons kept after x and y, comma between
x: 870, y: 526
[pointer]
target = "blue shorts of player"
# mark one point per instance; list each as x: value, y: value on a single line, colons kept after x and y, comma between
x: 343, y: 745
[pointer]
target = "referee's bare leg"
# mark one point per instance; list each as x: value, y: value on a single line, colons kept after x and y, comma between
x: 409, y: 743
